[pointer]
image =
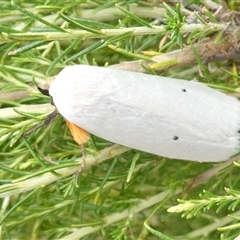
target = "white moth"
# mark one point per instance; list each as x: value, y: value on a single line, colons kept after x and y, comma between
x: 169, y: 117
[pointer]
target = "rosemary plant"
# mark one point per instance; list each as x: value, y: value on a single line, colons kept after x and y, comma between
x: 121, y: 193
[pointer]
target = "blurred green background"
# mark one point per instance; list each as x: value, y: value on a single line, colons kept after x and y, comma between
x: 122, y: 193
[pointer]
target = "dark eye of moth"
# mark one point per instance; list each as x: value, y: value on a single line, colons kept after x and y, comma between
x: 175, y: 138
x: 184, y: 90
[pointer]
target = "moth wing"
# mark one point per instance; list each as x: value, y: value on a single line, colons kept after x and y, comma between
x: 169, y: 117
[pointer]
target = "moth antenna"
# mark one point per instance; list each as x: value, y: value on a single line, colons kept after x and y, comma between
x: 47, y: 121
x: 50, y: 117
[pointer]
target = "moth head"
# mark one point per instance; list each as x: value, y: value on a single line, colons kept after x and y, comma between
x: 46, y: 93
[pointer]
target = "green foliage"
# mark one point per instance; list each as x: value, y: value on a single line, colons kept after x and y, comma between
x: 192, y: 208
x: 122, y: 193
x: 175, y: 21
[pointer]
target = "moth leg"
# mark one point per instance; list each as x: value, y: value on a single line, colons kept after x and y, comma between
x: 83, y: 155
x: 82, y: 166
x: 47, y: 159
x: 81, y: 137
